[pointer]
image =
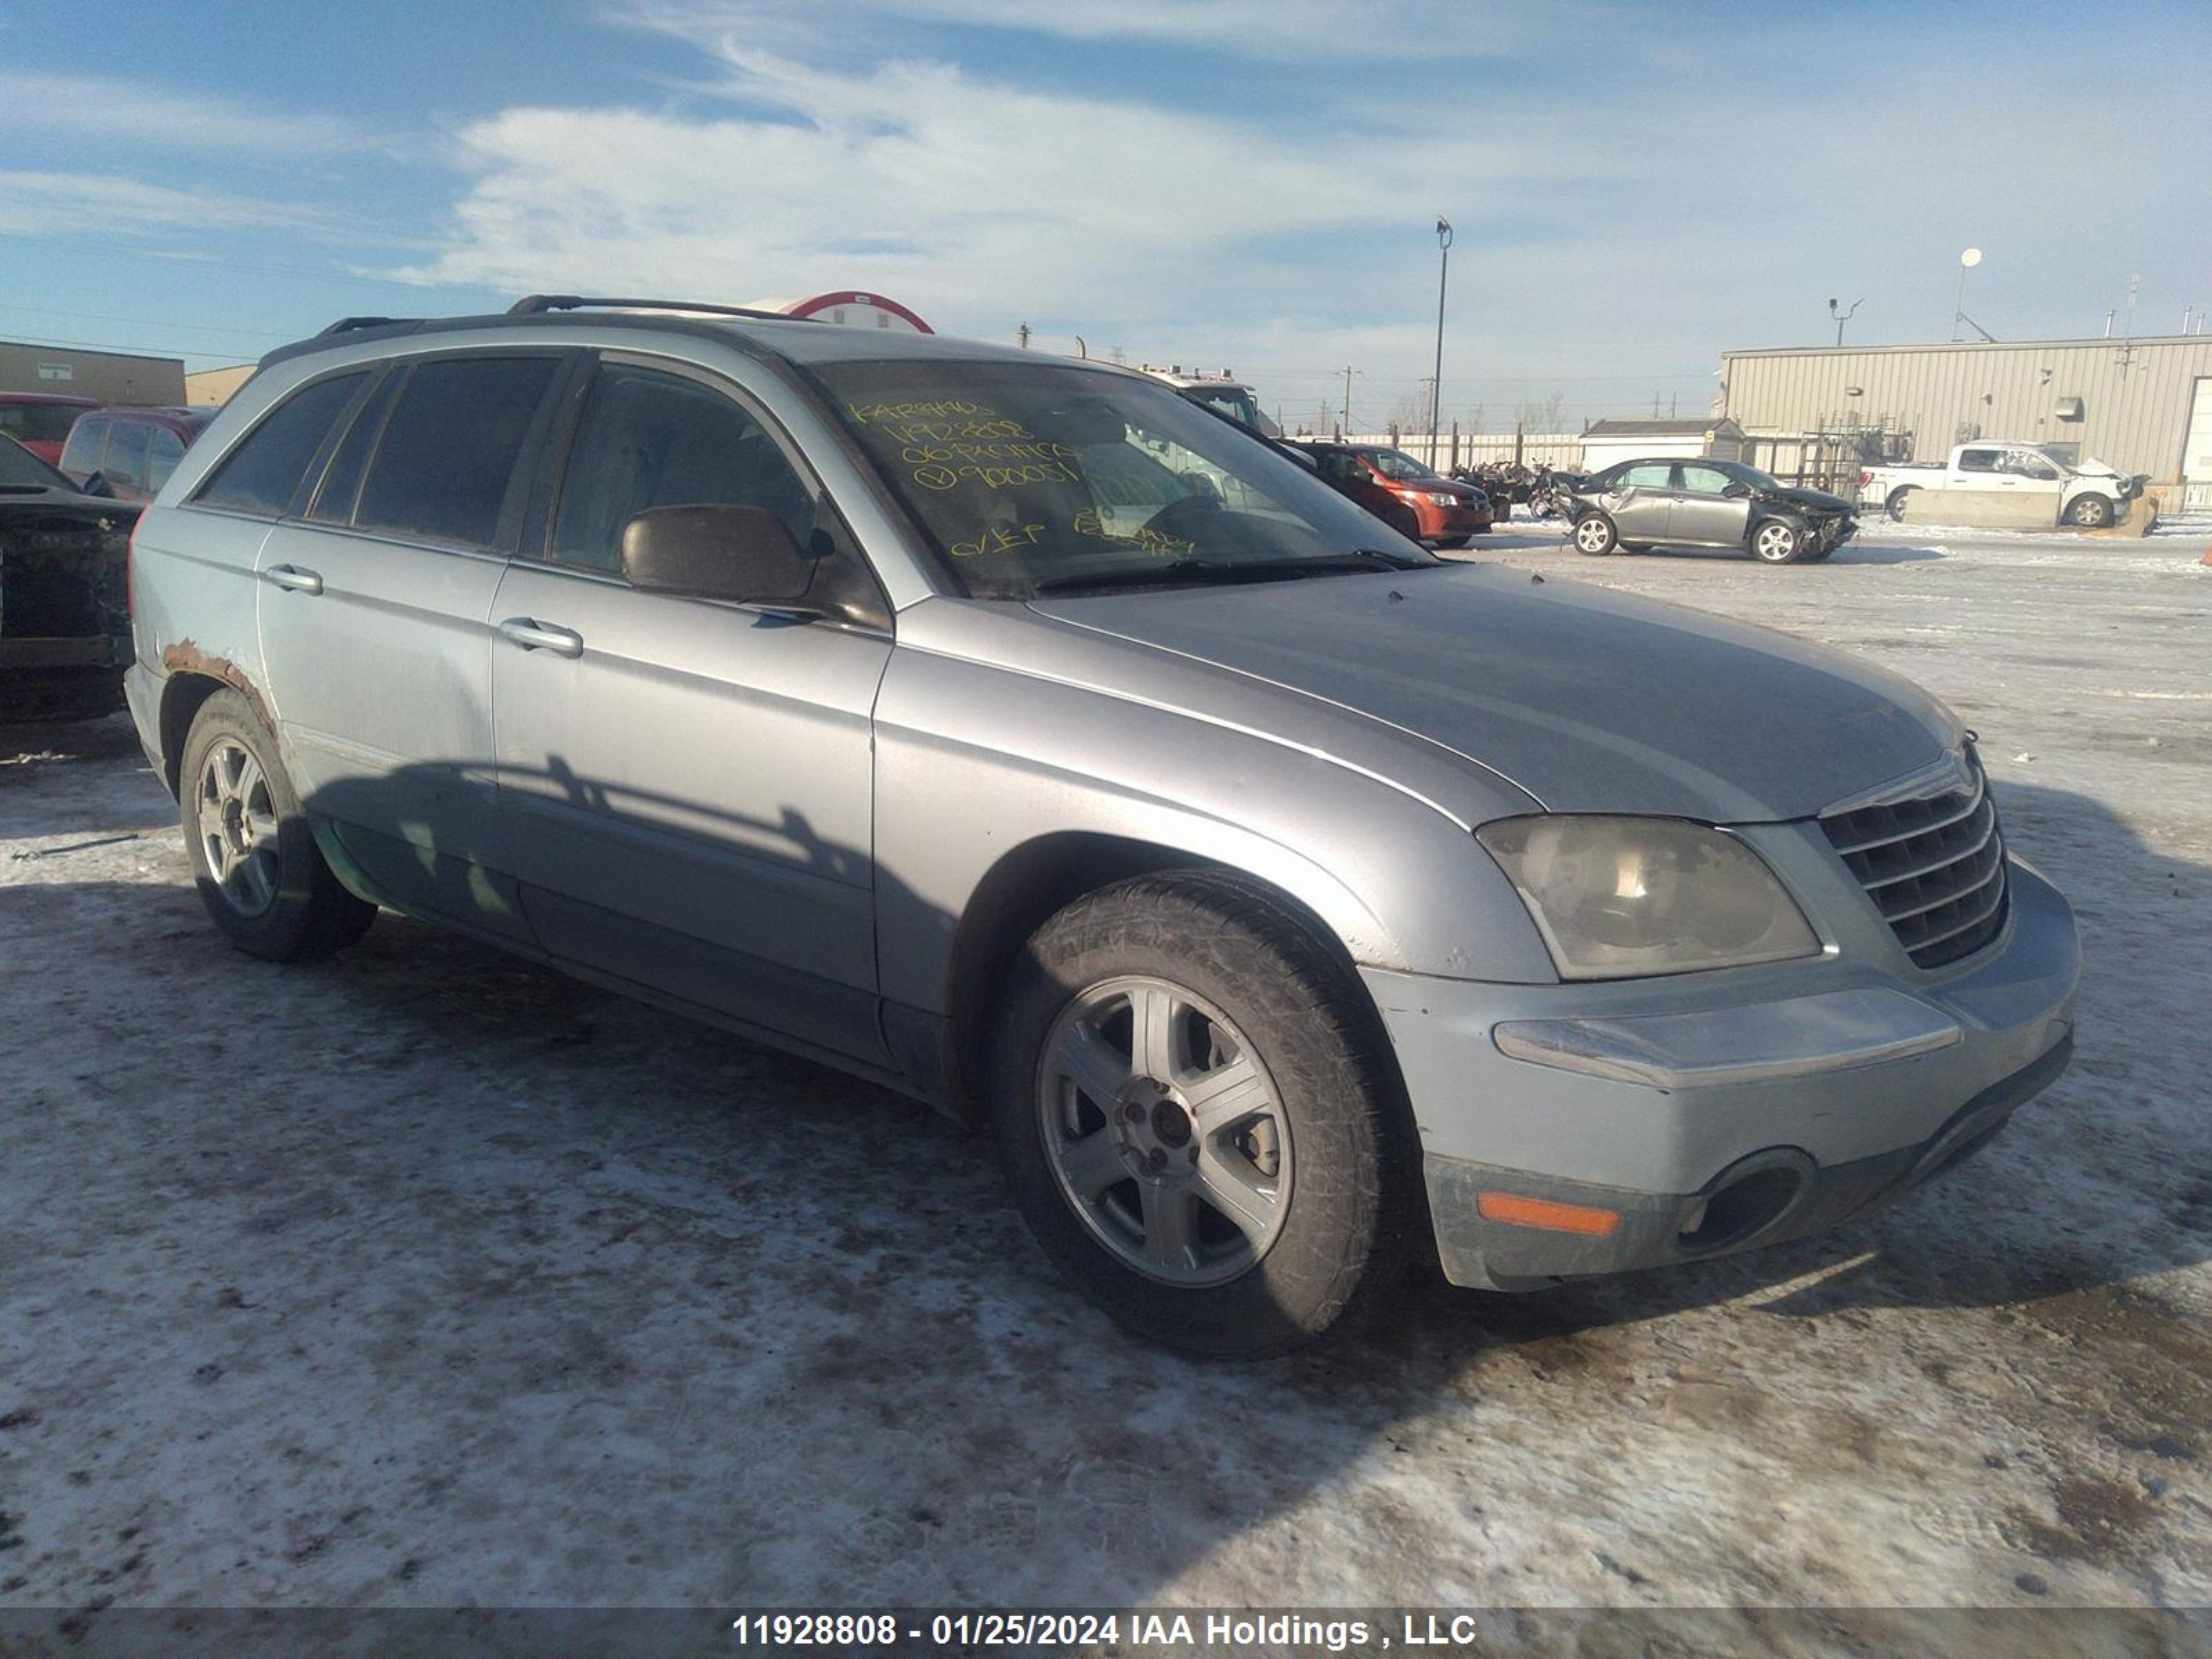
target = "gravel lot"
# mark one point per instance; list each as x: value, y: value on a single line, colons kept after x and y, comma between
x: 427, y: 1277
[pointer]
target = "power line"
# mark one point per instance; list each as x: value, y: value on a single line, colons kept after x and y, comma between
x: 120, y: 349
x: 149, y: 322
x: 315, y: 273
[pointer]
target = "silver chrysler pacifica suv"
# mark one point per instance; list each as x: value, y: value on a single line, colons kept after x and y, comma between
x: 1014, y: 732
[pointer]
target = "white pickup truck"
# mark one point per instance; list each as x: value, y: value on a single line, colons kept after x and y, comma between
x: 2086, y: 493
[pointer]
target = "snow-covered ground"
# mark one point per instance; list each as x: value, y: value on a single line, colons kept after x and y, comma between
x: 426, y: 1276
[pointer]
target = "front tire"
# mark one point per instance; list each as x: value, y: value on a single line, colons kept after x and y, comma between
x: 1594, y: 535
x: 1197, y: 1112
x: 254, y: 857
x: 1777, y: 542
x: 2090, y: 513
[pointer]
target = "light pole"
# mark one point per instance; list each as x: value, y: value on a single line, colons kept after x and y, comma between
x: 1967, y: 261
x: 1843, y: 317
x: 1437, y: 382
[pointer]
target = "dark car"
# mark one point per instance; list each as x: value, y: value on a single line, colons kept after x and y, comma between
x: 64, y: 612
x: 1418, y: 501
x: 40, y: 420
x: 135, y: 450
x: 1675, y: 501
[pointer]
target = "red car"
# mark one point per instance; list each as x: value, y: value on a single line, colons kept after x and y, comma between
x: 1416, y: 500
x: 134, y: 450
x: 40, y: 420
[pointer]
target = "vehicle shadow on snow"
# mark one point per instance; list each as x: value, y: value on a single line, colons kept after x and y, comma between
x: 704, y: 1322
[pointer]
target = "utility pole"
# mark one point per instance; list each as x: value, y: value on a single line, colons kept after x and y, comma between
x: 1023, y: 335
x: 1345, y: 431
x: 1436, y: 384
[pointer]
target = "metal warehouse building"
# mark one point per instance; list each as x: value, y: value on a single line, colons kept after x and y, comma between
x: 2142, y: 405
x: 109, y: 377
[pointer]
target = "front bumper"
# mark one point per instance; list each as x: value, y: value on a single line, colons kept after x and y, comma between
x: 1831, y: 533
x: 1708, y: 1113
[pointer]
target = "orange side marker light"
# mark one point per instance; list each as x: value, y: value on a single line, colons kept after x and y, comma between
x: 1543, y: 1213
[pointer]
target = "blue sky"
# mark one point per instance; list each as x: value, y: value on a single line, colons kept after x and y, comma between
x: 1243, y: 183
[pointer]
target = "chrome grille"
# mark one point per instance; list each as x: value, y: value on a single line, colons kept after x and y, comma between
x: 1934, y: 866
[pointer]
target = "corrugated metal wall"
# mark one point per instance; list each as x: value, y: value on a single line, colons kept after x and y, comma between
x: 2135, y: 398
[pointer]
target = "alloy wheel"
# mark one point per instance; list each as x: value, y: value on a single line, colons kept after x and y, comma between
x: 236, y: 817
x: 1164, y: 1131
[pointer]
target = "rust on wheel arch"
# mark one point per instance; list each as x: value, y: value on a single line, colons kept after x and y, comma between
x: 185, y: 657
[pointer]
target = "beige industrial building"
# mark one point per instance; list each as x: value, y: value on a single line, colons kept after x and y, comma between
x: 2142, y: 405
x: 214, y: 386
x: 107, y: 377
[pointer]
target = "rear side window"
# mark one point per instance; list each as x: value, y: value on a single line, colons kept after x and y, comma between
x: 261, y: 474
x: 1977, y: 460
x: 341, y: 485
x: 1655, y: 475
x: 446, y: 467
x: 163, y: 452
x: 126, y: 455
x: 88, y: 440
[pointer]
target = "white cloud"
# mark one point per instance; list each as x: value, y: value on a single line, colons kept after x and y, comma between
x: 50, y: 203
x: 1273, y: 30
x: 972, y: 199
x: 1630, y: 198
x: 135, y: 112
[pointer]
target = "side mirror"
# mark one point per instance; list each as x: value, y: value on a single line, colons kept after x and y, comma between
x: 1737, y: 492
x: 742, y: 553
x: 95, y: 484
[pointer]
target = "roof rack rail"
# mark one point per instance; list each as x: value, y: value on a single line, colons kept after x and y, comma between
x: 536, y: 305
x: 347, y: 325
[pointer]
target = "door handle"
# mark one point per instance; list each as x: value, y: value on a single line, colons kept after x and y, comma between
x: 291, y: 576
x: 543, y: 636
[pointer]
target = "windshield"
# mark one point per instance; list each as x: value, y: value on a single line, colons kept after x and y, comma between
x: 22, y: 470
x: 1037, y: 477
x: 2065, y: 462
x: 1233, y: 401
x: 1397, y: 464
x: 38, y: 423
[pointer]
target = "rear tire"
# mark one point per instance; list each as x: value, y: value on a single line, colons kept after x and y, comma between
x: 1594, y: 535
x: 254, y: 857
x: 1895, y: 505
x: 1196, y: 1109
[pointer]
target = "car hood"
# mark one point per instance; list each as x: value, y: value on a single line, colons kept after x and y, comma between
x: 1591, y: 702
x: 1812, y: 501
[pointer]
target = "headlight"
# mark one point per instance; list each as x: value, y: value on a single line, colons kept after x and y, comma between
x: 1437, y: 498
x: 1618, y: 897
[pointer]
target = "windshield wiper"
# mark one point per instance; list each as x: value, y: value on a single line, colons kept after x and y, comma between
x: 1358, y: 560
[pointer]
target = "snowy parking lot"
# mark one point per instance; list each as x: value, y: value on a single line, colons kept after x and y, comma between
x: 425, y: 1276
